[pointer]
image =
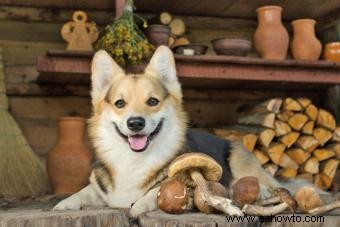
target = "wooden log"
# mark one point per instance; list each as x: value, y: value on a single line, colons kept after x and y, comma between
x: 284, y: 115
x: 287, y: 173
x: 326, y: 119
x: 311, y: 166
x: 329, y: 167
x: 270, y: 105
x: 273, y: 105
x: 289, y: 139
x: 336, y: 135
x: 308, y: 177
x: 323, y: 154
x: 322, y: 135
x: 180, y: 41
x: 287, y: 162
x: 275, y: 152
x: 297, y: 121
x: 308, y: 143
x: 265, y: 135
x: 335, y: 147
x: 322, y: 181
x: 308, y: 128
x: 177, y: 26
x: 336, y: 181
x: 234, y: 134
x: 304, y: 102
x: 165, y: 18
x: 271, y: 168
x: 249, y: 141
x: 261, y: 156
x: 292, y: 105
x: 298, y: 155
x: 261, y: 119
x: 281, y: 128
x: 312, y: 112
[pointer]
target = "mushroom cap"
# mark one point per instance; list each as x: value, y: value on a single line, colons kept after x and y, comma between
x: 180, y: 166
x: 307, y: 198
x: 286, y: 197
x: 246, y: 190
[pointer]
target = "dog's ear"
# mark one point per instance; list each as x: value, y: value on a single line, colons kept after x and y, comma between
x: 104, y: 71
x: 162, y: 63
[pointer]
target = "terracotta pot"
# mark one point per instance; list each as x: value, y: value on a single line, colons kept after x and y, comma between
x: 231, y: 46
x: 158, y: 34
x: 332, y: 51
x: 305, y: 45
x: 271, y: 38
x: 69, y: 162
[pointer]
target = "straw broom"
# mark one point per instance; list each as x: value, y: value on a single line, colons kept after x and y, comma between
x: 21, y: 172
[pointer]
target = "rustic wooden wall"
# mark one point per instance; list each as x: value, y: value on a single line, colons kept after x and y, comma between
x: 29, y: 32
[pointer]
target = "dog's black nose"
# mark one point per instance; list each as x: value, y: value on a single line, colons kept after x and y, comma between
x: 136, y: 124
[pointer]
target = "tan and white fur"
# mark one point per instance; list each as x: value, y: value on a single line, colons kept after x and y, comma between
x: 132, y: 164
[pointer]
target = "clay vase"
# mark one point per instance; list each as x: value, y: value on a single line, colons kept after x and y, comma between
x: 158, y: 34
x: 271, y: 37
x: 305, y: 45
x: 69, y: 162
x: 332, y: 51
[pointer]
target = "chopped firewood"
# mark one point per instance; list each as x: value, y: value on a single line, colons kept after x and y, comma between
x: 336, y: 181
x: 271, y: 105
x: 322, y: 181
x: 297, y: 121
x: 308, y: 143
x: 329, y: 167
x: 311, y: 166
x: 249, y: 142
x: 336, y: 135
x: 180, y: 41
x: 291, y: 104
x: 287, y: 162
x: 165, y: 18
x: 281, y: 128
x: 326, y: 119
x: 275, y: 152
x: 177, y: 26
x: 262, y: 118
x: 336, y: 148
x: 312, y: 112
x: 266, y: 137
x: 305, y: 176
x: 298, y: 155
x: 326, y: 180
x: 289, y: 139
x: 322, y: 135
x: 323, y: 154
x: 284, y: 115
x: 261, y: 156
x: 271, y: 168
x: 229, y: 134
x: 287, y: 173
x: 308, y: 128
x: 304, y: 102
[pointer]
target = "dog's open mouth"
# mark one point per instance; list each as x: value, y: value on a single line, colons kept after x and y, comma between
x: 140, y: 142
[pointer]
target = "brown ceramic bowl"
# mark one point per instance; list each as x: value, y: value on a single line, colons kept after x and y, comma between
x: 191, y: 49
x: 158, y: 34
x: 332, y: 51
x: 231, y: 46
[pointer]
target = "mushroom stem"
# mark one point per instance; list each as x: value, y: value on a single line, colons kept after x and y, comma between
x: 269, y: 201
x: 218, y: 202
x: 325, y: 208
x: 264, y: 211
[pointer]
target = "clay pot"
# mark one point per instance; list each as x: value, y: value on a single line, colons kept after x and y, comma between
x: 271, y: 38
x: 305, y: 45
x: 158, y: 34
x: 69, y: 162
x: 231, y: 46
x: 332, y: 51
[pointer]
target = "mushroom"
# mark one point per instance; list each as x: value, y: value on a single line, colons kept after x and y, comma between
x: 286, y: 201
x: 325, y: 208
x: 246, y: 190
x: 194, y: 169
x: 216, y: 189
x: 307, y: 198
x: 173, y: 197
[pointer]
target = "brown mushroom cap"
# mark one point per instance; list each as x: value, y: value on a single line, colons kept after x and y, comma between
x: 286, y: 197
x: 307, y: 198
x: 180, y: 167
x: 246, y: 190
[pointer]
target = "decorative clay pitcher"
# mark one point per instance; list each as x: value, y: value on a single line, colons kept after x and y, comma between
x: 69, y: 162
x: 271, y: 37
x: 305, y: 45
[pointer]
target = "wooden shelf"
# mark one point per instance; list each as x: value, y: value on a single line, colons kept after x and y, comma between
x: 206, y: 71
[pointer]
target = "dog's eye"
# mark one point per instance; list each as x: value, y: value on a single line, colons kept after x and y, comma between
x: 152, y: 102
x: 120, y: 103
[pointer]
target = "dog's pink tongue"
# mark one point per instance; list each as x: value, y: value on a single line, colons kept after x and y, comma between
x: 137, y: 142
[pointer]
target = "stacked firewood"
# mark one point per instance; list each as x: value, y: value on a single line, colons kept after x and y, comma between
x: 292, y: 138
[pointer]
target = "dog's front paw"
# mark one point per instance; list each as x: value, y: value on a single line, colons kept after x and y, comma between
x: 68, y: 204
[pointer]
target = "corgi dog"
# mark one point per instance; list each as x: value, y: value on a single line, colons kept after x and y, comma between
x: 138, y: 127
